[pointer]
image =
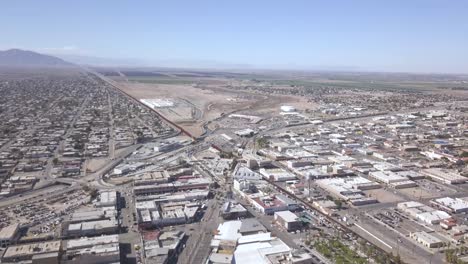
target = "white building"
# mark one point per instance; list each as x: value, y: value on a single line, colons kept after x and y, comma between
x: 392, y: 179
x: 451, y: 205
x: 102, y: 249
x: 427, y: 239
x: 349, y: 189
x: 444, y: 175
x: 433, y: 217
x: 288, y: 220
x: 277, y: 174
x: 287, y: 108
x: 107, y: 199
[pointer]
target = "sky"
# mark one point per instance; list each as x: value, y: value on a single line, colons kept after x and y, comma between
x: 395, y: 36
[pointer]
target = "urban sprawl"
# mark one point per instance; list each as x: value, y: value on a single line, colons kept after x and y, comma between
x: 228, y: 169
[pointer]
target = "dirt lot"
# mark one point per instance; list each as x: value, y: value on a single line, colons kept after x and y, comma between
x: 200, y: 103
x: 384, y: 196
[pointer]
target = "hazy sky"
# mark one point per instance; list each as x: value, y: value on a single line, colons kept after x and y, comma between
x: 419, y: 36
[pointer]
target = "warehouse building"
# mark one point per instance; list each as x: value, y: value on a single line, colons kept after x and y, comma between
x: 423, y: 212
x: 426, y: 239
x: 392, y: 179
x: 444, y: 175
x: 451, y: 205
x: 349, y: 189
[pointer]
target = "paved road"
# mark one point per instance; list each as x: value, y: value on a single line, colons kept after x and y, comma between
x: 198, y: 244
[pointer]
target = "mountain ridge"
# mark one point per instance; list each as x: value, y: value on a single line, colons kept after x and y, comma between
x: 26, y: 58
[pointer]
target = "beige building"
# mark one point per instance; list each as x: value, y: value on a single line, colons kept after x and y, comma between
x: 8, y: 234
x: 42, y: 252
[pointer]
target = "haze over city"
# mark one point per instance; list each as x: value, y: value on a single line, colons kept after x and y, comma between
x: 233, y: 132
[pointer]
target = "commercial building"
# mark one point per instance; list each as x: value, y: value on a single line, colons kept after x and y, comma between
x: 164, y: 214
x: 8, y: 235
x: 185, y: 185
x: 277, y: 174
x: 288, y: 220
x: 444, y: 175
x: 265, y: 249
x: 175, y: 197
x: 107, y: 199
x: 427, y: 239
x: 236, y: 242
x: 153, y: 177
x: 107, y: 226
x: 349, y: 189
x: 412, y: 175
x: 392, y: 179
x: 451, y: 205
x: 268, y: 205
x: 244, y: 173
x: 233, y: 210
x: 95, y: 250
x: 164, y: 247
x: 423, y: 212
x: 46, y: 252
x: 433, y: 217
x: 158, y: 103
x: 250, y: 226
x: 90, y: 215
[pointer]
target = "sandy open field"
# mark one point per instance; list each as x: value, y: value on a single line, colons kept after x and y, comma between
x: 197, y: 104
x: 384, y: 196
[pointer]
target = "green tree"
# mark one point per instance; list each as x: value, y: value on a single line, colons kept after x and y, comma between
x: 262, y: 142
x: 339, y: 203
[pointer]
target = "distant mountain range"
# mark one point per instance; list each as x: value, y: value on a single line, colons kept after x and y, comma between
x: 25, y: 58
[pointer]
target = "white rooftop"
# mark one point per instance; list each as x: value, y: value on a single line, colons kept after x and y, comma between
x: 288, y: 216
x: 229, y: 231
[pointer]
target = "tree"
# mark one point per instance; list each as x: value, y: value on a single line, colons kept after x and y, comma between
x: 339, y: 203
x: 262, y: 142
x: 397, y: 259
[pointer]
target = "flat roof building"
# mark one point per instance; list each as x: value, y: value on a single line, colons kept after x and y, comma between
x: 427, y: 239
x: 451, y: 205
x: 232, y: 210
x: 288, y: 220
x: 349, y: 189
x: 444, y: 175
x: 8, y: 234
x: 94, y: 250
x: 107, y: 199
x: 99, y: 227
x: 277, y: 174
x: 24, y: 252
